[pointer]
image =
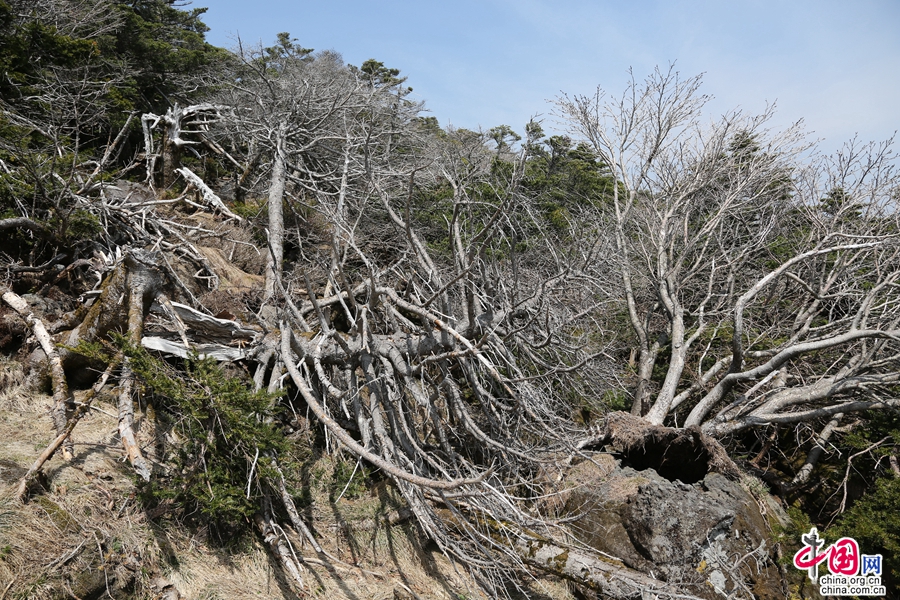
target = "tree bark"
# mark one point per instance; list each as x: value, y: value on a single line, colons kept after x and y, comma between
x: 269, y: 531
x: 142, y: 282
x: 276, y: 221
x: 606, y: 575
x: 815, y: 454
x: 61, y: 395
x: 23, y: 223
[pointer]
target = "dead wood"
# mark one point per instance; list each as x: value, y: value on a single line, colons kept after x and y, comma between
x: 209, y: 197
x: 107, y: 313
x: 23, y: 223
x: 216, y: 351
x: 274, y: 538
x: 144, y: 282
x: 79, y: 412
x: 61, y: 394
x: 123, y: 304
x: 208, y: 328
x: 608, y: 576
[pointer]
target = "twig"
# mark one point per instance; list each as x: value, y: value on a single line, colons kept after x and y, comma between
x: 9, y: 586
x: 843, y: 485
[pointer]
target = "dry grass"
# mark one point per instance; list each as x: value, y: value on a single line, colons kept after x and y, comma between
x: 83, y: 529
x: 16, y: 393
x: 235, y: 243
x: 80, y: 527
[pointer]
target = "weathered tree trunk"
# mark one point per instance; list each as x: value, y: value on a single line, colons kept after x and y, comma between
x: 108, y: 312
x: 139, y: 280
x: 143, y: 283
x: 271, y: 534
x: 276, y: 221
x: 171, y: 155
x: 646, y: 360
x: 677, y: 356
x: 61, y: 395
x: 609, y: 577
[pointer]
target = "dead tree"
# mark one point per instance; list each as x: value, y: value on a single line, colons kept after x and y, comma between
x: 762, y: 282
x: 303, y: 115
x: 183, y: 129
x: 429, y: 322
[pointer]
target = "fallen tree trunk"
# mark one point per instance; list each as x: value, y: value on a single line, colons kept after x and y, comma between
x: 607, y: 576
x: 23, y: 223
x: 61, y: 395
x: 604, y: 574
x: 272, y: 536
x: 216, y: 351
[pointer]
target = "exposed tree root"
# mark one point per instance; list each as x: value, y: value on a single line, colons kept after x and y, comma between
x: 687, y: 452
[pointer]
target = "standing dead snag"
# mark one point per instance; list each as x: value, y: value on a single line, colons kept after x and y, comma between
x: 275, y: 231
x: 183, y: 128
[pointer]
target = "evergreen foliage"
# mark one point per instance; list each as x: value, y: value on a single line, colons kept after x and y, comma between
x: 565, y: 176
x: 874, y: 522
x: 221, y: 438
x: 227, y: 436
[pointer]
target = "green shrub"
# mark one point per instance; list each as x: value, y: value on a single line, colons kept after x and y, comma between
x: 348, y: 480
x: 221, y: 438
x: 874, y: 522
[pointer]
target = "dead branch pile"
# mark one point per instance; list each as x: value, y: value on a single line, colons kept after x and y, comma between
x: 433, y: 360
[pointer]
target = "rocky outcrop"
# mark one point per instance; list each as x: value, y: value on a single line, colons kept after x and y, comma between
x: 708, y: 535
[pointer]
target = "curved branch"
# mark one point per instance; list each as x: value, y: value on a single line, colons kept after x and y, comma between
x: 335, y: 429
x: 24, y: 223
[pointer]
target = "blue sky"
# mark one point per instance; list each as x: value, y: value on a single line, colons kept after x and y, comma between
x: 836, y: 65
